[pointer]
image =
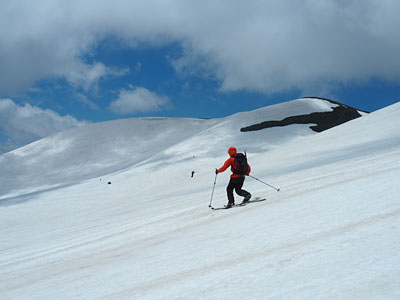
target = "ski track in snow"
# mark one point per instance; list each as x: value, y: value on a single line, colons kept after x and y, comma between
x: 330, y: 233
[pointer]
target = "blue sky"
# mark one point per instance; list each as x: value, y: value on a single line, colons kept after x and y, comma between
x: 67, y: 63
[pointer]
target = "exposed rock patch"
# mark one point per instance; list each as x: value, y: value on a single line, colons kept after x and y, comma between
x: 323, y: 120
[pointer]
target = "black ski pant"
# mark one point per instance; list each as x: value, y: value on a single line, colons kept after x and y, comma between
x: 236, y: 184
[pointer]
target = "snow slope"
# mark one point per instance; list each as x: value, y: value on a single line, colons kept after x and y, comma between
x: 331, y: 233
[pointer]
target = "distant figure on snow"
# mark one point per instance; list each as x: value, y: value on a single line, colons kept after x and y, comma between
x: 240, y: 168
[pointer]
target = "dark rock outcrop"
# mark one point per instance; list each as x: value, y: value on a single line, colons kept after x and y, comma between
x: 323, y: 120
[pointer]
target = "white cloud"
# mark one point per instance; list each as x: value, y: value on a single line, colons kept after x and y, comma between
x: 85, y: 102
x: 48, y: 39
x: 87, y: 76
x: 138, y: 100
x: 267, y: 46
x: 25, y: 124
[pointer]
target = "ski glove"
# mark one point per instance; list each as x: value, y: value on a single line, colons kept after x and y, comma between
x: 216, y: 171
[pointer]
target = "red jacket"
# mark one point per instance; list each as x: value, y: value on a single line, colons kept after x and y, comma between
x: 229, y: 163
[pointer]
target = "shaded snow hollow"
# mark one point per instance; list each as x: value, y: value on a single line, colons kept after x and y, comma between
x: 330, y: 233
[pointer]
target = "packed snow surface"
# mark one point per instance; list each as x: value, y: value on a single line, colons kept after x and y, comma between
x: 332, y: 232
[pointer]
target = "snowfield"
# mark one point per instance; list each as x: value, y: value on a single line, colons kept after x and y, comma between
x: 332, y: 232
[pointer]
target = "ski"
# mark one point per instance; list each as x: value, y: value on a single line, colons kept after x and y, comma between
x: 251, y: 201
x: 240, y: 204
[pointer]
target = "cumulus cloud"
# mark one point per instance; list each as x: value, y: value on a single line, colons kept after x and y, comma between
x: 138, y: 100
x: 25, y: 124
x: 47, y: 39
x: 266, y: 46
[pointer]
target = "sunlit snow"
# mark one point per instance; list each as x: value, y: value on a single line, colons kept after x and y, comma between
x: 110, y: 210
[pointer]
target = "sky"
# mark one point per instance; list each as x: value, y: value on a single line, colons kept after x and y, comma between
x: 68, y: 63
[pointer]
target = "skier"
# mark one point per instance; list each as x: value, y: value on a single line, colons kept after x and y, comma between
x: 237, y: 177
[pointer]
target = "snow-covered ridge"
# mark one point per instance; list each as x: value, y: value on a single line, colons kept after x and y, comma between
x: 99, y: 149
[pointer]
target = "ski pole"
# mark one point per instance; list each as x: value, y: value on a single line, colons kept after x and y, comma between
x: 264, y: 183
x: 215, y: 181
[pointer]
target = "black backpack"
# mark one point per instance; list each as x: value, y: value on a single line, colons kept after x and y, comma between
x: 240, y: 166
